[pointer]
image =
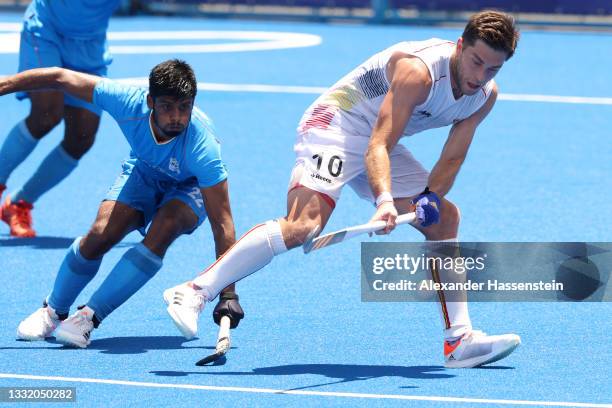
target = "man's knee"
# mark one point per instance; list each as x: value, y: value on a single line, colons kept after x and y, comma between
x: 450, y: 215
x: 80, y: 132
x: 43, y: 119
x: 297, y: 231
x: 170, y: 222
x: 448, y: 226
x: 100, y: 239
x: 77, y: 145
x: 175, y: 217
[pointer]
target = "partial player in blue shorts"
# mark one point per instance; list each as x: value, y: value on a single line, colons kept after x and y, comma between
x: 135, y: 189
x: 55, y: 34
x: 173, y: 180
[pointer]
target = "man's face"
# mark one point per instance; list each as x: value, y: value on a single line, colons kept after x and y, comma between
x: 171, y: 115
x: 476, y: 65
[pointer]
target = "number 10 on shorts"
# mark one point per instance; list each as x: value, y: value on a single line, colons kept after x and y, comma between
x: 334, y: 164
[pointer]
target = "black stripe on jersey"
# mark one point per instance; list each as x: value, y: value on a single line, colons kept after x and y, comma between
x: 373, y: 83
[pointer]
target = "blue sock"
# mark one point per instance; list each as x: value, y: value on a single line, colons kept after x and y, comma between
x: 57, y: 166
x: 74, y: 274
x: 18, y: 145
x: 133, y: 270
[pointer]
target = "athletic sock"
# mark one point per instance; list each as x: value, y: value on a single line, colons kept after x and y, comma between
x: 250, y: 253
x: 73, y: 275
x: 137, y: 266
x: 16, y: 148
x: 454, y: 312
x: 57, y: 166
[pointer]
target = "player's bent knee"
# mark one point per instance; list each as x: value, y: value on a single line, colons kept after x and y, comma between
x: 169, y: 225
x: 450, y: 214
x: 47, y: 119
x: 103, y: 236
x: 299, y: 230
x: 94, y: 246
x: 448, y: 226
x: 174, y: 223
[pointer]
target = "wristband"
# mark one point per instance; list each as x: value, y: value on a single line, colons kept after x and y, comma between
x: 383, y: 197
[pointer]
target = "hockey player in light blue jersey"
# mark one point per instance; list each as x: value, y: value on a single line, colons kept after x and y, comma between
x: 174, y: 179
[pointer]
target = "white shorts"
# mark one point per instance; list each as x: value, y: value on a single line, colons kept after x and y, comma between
x: 327, y: 160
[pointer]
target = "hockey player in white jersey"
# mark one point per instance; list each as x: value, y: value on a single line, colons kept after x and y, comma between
x: 349, y: 136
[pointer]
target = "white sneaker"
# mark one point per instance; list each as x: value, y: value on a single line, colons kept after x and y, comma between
x: 475, y: 348
x: 39, y: 325
x: 184, y: 307
x: 76, y: 330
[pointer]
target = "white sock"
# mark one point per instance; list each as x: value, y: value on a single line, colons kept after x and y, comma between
x: 459, y: 318
x: 250, y: 253
x: 455, y: 315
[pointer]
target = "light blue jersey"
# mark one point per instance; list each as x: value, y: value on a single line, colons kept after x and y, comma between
x: 69, y: 34
x: 159, y: 172
x: 194, y: 153
x: 70, y: 18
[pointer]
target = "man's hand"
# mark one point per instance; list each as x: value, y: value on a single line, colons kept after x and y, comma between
x: 228, y: 306
x: 427, y: 208
x: 386, y: 211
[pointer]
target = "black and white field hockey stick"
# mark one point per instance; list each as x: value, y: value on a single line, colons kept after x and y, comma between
x: 347, y: 233
x: 223, y: 343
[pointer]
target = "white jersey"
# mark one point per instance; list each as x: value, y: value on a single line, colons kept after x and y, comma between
x: 350, y: 107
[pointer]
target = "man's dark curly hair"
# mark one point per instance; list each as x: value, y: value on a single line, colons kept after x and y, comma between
x: 173, y: 78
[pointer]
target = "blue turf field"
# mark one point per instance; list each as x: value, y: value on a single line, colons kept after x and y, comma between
x: 537, y: 171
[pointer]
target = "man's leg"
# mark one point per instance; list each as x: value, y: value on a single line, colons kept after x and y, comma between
x: 455, y: 313
x: 463, y: 347
x: 320, y: 172
x: 113, y: 222
x: 81, y: 126
x: 140, y: 263
x: 80, y: 265
x: 307, y: 210
x: 47, y: 109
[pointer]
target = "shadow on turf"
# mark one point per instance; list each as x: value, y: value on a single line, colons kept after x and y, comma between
x: 494, y: 368
x: 44, y: 242
x: 125, y: 345
x: 344, y: 372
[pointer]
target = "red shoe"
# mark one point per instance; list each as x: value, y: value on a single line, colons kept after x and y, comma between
x: 19, y: 218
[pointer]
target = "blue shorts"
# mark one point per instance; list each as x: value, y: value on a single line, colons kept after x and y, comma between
x: 85, y: 55
x: 135, y: 189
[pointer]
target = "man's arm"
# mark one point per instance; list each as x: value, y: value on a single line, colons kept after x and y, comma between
x: 456, y: 147
x: 216, y: 200
x: 410, y: 86
x: 74, y: 83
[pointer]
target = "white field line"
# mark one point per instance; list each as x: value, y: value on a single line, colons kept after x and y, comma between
x: 236, y: 41
x: 317, y: 90
x: 291, y: 89
x: 254, y: 390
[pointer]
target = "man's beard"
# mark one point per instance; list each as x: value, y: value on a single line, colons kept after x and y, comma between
x: 168, y: 133
x: 173, y: 133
